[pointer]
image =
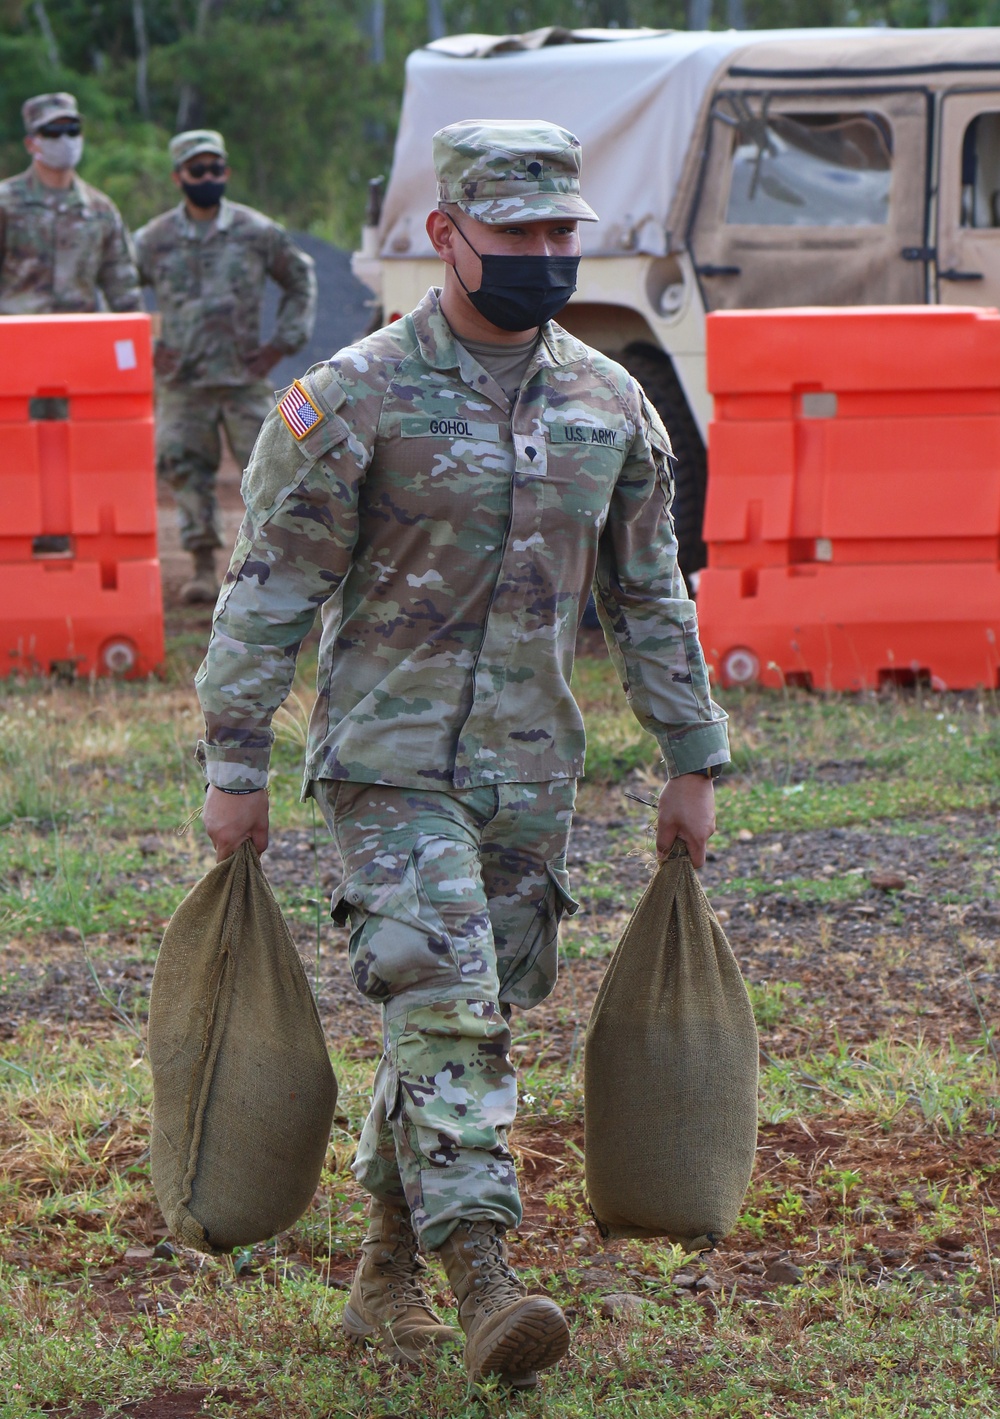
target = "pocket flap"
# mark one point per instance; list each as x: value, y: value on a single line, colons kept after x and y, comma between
x: 560, y: 878
x: 385, y: 887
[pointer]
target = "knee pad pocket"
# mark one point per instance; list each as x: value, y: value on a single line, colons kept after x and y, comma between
x: 399, y: 941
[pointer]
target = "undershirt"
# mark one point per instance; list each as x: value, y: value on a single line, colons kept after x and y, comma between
x: 504, y: 363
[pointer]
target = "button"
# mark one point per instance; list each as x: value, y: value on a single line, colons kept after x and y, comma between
x: 353, y: 896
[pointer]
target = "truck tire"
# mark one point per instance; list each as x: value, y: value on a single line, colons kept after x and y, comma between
x: 652, y: 368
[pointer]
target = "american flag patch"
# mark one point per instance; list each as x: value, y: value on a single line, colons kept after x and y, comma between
x: 299, y: 412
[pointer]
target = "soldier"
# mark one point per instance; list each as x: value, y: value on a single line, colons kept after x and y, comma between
x: 61, y: 241
x: 448, y: 490
x: 207, y: 261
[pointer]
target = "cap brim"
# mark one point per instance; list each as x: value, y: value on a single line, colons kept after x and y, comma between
x: 201, y: 153
x: 52, y: 118
x: 538, y: 207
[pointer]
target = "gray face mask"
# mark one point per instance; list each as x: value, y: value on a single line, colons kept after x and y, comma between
x: 60, y: 153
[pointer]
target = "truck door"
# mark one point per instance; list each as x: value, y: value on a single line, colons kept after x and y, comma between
x: 813, y: 199
x: 968, y: 235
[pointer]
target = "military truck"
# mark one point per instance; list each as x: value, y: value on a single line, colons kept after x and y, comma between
x: 730, y: 170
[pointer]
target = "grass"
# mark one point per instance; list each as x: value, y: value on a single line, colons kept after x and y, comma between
x: 866, y: 1148
x: 77, y: 1327
x: 77, y: 1198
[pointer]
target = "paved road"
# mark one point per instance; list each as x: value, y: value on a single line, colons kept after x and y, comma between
x: 342, y: 314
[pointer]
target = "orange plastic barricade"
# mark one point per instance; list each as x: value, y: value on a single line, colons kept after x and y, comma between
x: 853, y: 508
x: 79, y: 573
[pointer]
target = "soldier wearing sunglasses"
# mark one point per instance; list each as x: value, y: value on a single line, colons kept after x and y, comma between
x: 63, y: 244
x: 208, y: 260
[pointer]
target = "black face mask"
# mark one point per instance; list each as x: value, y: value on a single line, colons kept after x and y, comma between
x: 204, y: 194
x: 520, y: 292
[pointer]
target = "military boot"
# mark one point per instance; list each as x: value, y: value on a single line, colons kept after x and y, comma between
x: 388, y: 1302
x: 507, y: 1332
x: 203, y: 586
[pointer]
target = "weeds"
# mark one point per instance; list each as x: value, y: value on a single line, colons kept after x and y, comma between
x: 873, y: 1155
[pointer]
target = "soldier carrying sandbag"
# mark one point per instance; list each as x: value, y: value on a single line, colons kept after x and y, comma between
x: 63, y: 244
x: 448, y: 490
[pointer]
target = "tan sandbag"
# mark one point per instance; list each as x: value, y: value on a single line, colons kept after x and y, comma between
x: 243, y: 1089
x: 670, y: 1069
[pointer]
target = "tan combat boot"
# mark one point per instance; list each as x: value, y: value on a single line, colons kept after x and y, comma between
x: 388, y: 1302
x: 507, y: 1332
x: 203, y: 586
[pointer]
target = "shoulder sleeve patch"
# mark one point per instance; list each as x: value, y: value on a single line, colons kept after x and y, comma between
x: 299, y: 411
x: 281, y: 457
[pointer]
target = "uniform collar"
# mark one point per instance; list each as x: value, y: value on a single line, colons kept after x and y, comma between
x: 191, y: 228
x: 35, y: 191
x: 440, y: 349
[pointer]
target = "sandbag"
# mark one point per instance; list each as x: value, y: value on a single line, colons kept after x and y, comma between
x: 243, y: 1089
x: 670, y: 1071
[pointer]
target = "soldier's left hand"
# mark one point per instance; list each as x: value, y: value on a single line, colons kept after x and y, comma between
x: 234, y: 818
x: 687, y: 811
x: 261, y: 362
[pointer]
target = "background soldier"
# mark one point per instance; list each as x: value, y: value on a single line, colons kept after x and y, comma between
x: 460, y: 479
x: 49, y: 212
x: 207, y: 261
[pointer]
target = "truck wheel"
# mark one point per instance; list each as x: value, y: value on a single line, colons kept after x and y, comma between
x: 656, y: 374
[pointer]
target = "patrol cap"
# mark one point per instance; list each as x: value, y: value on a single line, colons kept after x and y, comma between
x: 501, y: 170
x: 194, y: 141
x: 46, y: 108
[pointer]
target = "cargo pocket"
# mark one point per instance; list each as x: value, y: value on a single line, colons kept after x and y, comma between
x: 531, y: 975
x: 398, y: 940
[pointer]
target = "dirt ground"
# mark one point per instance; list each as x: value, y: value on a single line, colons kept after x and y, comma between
x: 915, y: 953
x: 888, y: 962
x: 897, y: 961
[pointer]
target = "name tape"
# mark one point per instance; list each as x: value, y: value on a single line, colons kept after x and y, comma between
x: 414, y: 426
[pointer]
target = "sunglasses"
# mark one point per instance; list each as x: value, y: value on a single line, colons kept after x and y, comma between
x: 205, y: 169
x: 72, y: 129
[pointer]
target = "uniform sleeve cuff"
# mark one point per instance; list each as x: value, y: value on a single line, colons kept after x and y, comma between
x: 700, y: 747
x: 225, y: 771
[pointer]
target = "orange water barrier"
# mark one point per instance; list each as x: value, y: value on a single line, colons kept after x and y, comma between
x: 79, y: 572
x: 853, y: 508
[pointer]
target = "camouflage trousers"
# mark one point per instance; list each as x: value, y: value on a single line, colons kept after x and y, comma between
x: 189, y: 420
x: 454, y: 901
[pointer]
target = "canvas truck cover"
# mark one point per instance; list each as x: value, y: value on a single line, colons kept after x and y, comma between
x: 632, y: 97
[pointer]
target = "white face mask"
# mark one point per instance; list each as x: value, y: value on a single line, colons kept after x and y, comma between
x: 60, y: 153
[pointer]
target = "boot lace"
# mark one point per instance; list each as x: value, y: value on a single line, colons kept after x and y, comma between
x: 402, y: 1268
x: 493, y: 1284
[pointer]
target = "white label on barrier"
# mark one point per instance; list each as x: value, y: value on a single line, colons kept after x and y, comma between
x: 125, y: 354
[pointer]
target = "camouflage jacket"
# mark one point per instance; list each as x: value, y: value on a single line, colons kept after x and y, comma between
x: 59, y: 247
x: 451, y: 541
x: 209, y: 278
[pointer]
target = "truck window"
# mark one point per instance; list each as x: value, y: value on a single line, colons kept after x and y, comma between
x: 981, y: 172
x: 809, y: 169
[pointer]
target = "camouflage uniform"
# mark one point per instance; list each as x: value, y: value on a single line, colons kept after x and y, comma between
x: 209, y: 280
x: 60, y: 248
x: 455, y: 900
x: 451, y: 539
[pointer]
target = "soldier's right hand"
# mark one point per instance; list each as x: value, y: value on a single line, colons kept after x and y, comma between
x: 260, y: 362
x: 234, y: 818
x: 165, y: 358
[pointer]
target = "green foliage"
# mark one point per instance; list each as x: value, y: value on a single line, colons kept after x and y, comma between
x: 308, y: 113
x: 25, y: 70
x: 132, y: 167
